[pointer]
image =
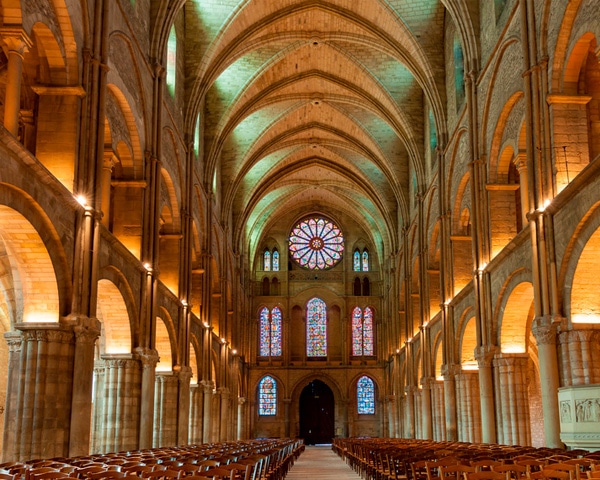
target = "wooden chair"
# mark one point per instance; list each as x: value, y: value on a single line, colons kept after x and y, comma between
x: 572, y: 470
x: 486, y: 475
x: 549, y: 475
x: 512, y: 471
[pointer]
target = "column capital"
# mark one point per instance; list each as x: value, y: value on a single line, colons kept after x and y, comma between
x: 16, y: 39
x: 484, y: 355
x: 184, y: 373
x: 14, y: 340
x: 86, y: 329
x: 545, y: 330
x: 242, y: 400
x: 450, y: 370
x: 148, y: 356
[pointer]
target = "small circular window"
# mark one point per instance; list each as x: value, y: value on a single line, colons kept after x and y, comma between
x: 316, y: 243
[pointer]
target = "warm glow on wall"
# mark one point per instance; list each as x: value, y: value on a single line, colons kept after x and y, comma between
x: 513, y: 348
x: 585, y: 318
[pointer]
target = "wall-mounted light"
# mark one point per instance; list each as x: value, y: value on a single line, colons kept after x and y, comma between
x: 81, y: 200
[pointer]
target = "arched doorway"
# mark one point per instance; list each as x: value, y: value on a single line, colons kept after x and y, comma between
x: 317, y: 413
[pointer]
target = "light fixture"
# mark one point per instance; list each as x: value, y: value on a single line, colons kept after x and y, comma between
x: 81, y: 200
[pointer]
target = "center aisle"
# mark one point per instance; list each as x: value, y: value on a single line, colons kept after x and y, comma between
x: 320, y: 463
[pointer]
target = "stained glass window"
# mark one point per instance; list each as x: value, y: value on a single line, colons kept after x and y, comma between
x: 356, y: 260
x: 362, y: 332
x: 316, y: 243
x: 267, y: 396
x: 365, y: 393
x: 267, y: 261
x: 365, y: 261
x: 275, y: 261
x: 270, y: 332
x: 316, y: 328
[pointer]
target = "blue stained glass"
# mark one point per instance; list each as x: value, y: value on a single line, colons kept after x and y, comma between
x: 316, y: 243
x: 267, y: 396
x: 275, y: 261
x: 276, y: 332
x: 357, y: 334
x: 365, y: 393
x: 362, y: 332
x: 356, y: 261
x: 365, y: 261
x: 267, y: 261
x: 270, y: 332
x: 316, y: 328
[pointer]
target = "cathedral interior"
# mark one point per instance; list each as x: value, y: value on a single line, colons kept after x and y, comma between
x: 313, y: 219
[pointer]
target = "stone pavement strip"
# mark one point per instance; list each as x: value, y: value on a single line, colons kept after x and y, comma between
x: 320, y: 463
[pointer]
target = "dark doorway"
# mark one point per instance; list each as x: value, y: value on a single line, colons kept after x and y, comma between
x: 317, y: 409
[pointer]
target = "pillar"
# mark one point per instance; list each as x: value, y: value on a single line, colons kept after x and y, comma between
x: 107, y: 168
x: 241, y: 423
x: 196, y: 410
x: 165, y: 409
x: 513, y: 398
x: 86, y: 334
x: 409, y: 431
x: 207, y: 386
x: 286, y: 412
x: 119, y: 424
x: 449, y: 372
x: 544, y: 329
x: 391, y: 411
x: 426, y: 413
x: 437, y: 408
x: 149, y: 359
x: 223, y: 395
x: 14, y: 340
x: 17, y: 43
x: 183, y: 405
x: 485, y: 356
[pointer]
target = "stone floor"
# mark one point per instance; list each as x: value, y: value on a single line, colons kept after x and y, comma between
x: 320, y: 463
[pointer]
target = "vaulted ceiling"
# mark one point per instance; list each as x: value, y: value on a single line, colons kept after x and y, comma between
x: 316, y: 105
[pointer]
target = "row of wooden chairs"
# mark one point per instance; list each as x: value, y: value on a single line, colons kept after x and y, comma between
x: 404, y: 459
x: 267, y: 459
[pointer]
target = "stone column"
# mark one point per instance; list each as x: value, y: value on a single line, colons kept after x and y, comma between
x: 469, y: 412
x: 42, y: 407
x: 207, y: 386
x: 544, y: 329
x: 165, y: 409
x: 14, y: 340
x: 241, y: 422
x: 286, y: 413
x: 120, y: 419
x: 107, y: 168
x: 149, y: 359
x: 86, y: 334
x: 449, y: 372
x: 18, y: 43
x: 223, y: 395
x: 183, y: 408
x: 437, y: 395
x: 513, y: 397
x: 426, y: 413
x: 391, y: 411
x: 485, y: 357
x: 409, y: 431
x: 195, y: 432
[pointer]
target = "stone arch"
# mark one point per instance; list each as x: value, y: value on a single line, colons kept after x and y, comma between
x: 513, y: 335
x: 165, y: 341
x: 579, y: 268
x: 33, y: 293
x: 467, y: 341
x: 115, y: 311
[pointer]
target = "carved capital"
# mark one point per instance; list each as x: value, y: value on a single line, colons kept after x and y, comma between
x: 450, y: 370
x: 16, y: 40
x: 544, y: 330
x: 87, y: 331
x: 148, y: 356
x: 242, y: 400
x: 485, y: 355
